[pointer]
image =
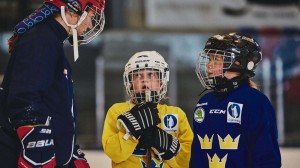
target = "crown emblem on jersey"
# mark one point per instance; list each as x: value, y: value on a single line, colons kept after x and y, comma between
x: 228, y: 142
x: 153, y: 163
x: 215, y: 162
x: 205, y: 142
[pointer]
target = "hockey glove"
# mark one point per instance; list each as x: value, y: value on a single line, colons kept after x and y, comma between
x: 146, y: 139
x: 139, y: 118
x: 78, y: 160
x: 38, y: 147
x: 165, y: 146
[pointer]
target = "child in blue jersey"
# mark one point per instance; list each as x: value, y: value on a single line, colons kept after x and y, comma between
x: 234, y: 125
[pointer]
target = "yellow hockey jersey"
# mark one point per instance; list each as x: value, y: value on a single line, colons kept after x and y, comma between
x: 124, y: 154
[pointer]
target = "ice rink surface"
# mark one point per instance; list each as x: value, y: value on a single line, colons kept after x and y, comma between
x: 97, y: 158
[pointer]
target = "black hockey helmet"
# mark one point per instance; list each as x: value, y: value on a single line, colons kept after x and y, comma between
x: 244, y: 50
x: 239, y: 53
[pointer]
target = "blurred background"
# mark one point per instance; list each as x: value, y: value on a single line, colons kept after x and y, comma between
x: 178, y: 30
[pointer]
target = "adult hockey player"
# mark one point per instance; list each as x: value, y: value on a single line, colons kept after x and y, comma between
x: 234, y: 124
x: 38, y: 89
x: 142, y: 124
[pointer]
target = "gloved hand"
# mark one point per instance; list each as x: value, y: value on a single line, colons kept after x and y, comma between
x: 146, y: 139
x: 38, y: 146
x: 77, y: 161
x: 139, y: 118
x: 165, y: 145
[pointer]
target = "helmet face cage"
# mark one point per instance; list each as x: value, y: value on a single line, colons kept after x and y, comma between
x: 238, y: 53
x: 98, y: 21
x: 146, y: 73
x: 211, y: 66
x: 81, y: 8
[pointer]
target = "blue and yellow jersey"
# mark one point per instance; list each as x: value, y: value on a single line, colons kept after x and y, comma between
x: 123, y: 153
x: 234, y: 131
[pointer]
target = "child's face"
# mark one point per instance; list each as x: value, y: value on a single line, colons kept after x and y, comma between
x: 145, y: 79
x: 215, y: 65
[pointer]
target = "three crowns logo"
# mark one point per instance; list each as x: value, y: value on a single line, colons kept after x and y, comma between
x: 215, y: 162
x: 205, y: 142
x: 228, y: 142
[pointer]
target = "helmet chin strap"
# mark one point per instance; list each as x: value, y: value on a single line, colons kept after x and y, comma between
x: 74, y: 31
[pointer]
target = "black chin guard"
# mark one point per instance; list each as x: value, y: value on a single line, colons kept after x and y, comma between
x: 227, y: 85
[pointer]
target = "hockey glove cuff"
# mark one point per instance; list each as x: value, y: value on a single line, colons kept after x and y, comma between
x: 139, y: 118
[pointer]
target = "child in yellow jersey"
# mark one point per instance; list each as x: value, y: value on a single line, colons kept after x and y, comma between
x: 141, y: 132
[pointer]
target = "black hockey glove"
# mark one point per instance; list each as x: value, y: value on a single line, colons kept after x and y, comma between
x: 77, y: 161
x: 146, y: 139
x: 139, y: 118
x: 166, y: 145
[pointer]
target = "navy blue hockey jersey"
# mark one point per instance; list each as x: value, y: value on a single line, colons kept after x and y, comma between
x: 41, y: 85
x: 235, y: 131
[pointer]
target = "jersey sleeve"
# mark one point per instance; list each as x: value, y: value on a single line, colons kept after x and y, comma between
x: 117, y: 148
x: 185, y: 137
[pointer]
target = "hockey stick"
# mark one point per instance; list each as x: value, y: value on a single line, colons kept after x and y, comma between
x: 148, y: 150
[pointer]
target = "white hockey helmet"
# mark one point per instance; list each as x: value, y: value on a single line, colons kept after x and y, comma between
x: 150, y: 60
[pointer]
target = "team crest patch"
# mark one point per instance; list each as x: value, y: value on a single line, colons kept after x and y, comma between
x: 199, y: 115
x: 170, y: 123
x: 234, y: 112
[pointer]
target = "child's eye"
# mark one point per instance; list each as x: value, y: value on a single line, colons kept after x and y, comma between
x: 137, y: 76
x: 151, y: 76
